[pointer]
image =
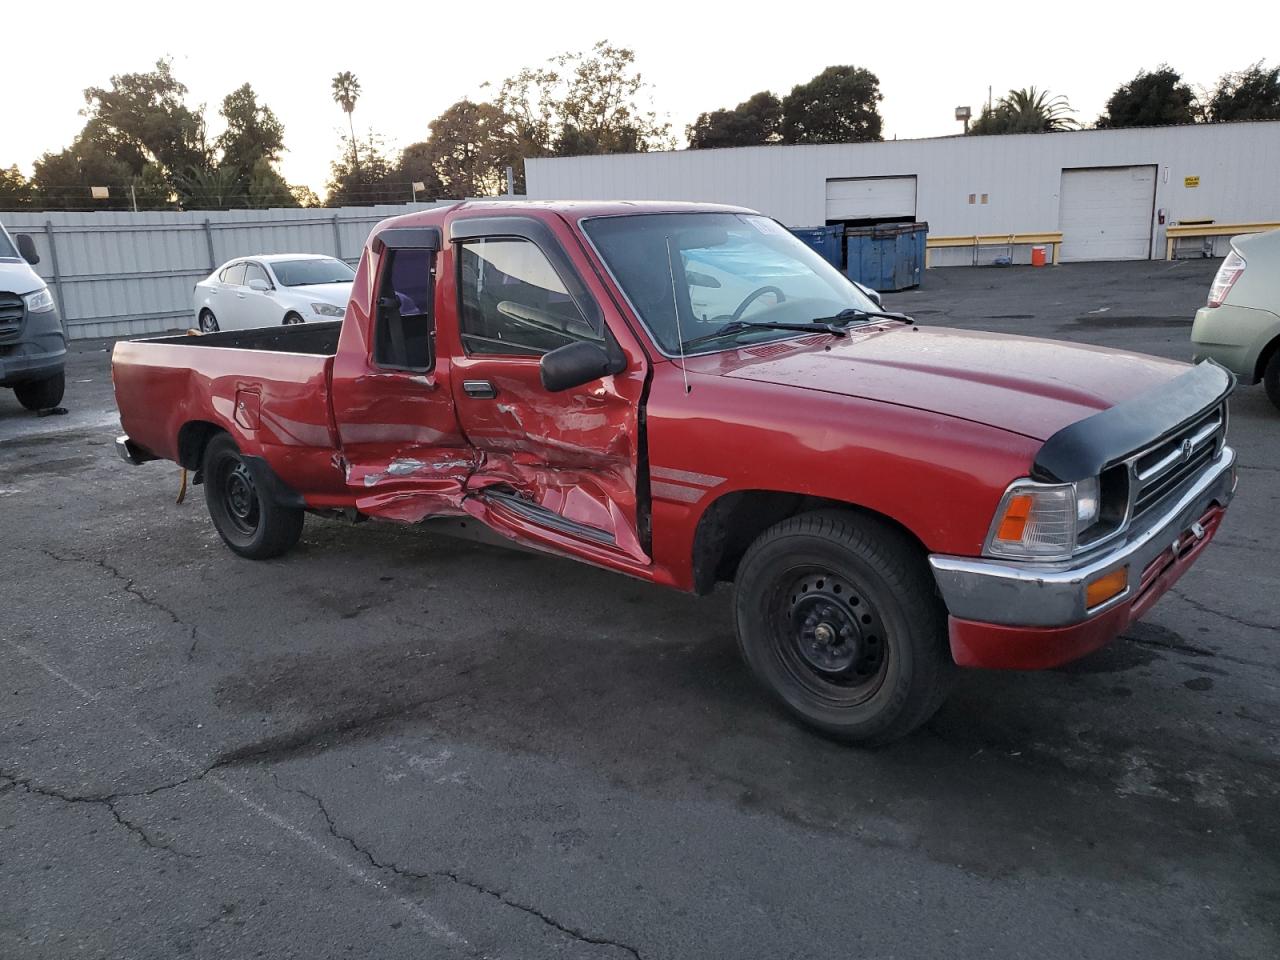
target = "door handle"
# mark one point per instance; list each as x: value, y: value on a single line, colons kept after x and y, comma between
x: 479, y: 389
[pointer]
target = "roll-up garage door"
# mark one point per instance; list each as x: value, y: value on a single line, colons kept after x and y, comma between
x: 872, y: 198
x: 1105, y: 213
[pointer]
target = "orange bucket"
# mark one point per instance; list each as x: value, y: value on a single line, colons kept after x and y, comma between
x: 1037, y: 256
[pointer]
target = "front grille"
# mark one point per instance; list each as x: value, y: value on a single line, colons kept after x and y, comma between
x: 11, y: 310
x: 1159, y: 471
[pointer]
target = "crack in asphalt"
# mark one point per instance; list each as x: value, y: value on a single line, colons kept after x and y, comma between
x: 131, y: 588
x: 454, y: 877
x: 108, y: 800
x: 1205, y: 608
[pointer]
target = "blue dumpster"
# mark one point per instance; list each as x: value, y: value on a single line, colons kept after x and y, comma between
x: 828, y: 241
x: 886, y: 257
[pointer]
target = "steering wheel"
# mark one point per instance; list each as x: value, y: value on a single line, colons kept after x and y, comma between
x: 752, y: 297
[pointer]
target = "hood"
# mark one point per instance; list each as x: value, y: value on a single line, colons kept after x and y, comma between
x: 336, y: 293
x: 16, y: 276
x: 1022, y: 384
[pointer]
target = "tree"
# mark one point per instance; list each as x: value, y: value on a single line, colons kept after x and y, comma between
x: 304, y: 196
x: 346, y: 91
x: 471, y: 145
x: 266, y: 188
x: 839, y: 105
x: 15, y: 190
x: 1026, y: 111
x: 62, y: 180
x: 1153, y: 99
x: 417, y: 164
x: 371, y: 181
x: 252, y: 135
x: 581, y: 103
x: 753, y: 122
x: 211, y: 188
x: 142, y: 118
x: 1251, y: 94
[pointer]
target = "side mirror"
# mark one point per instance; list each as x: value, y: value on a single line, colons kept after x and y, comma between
x: 257, y: 283
x: 577, y: 363
x: 27, y: 247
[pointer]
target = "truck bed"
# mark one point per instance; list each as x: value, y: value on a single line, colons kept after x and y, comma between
x: 268, y: 388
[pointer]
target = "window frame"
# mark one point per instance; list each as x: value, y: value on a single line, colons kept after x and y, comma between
x: 228, y: 268
x: 383, y: 287
x: 536, y: 232
x: 266, y: 275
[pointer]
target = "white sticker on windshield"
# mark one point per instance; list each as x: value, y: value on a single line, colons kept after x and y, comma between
x: 770, y: 228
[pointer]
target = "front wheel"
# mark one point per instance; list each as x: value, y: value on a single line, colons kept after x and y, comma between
x: 42, y: 394
x: 838, y: 617
x: 291, y: 318
x: 252, y: 525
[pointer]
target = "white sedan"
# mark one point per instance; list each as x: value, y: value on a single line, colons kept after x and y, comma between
x: 274, y: 289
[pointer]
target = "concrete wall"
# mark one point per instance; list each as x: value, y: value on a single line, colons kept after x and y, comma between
x: 1237, y: 164
x: 125, y: 274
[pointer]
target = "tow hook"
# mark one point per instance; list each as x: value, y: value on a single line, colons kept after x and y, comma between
x: 1194, y: 534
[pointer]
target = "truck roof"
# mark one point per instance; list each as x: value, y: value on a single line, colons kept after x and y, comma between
x: 575, y: 209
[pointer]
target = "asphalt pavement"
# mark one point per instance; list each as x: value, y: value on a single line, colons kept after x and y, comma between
x: 391, y: 744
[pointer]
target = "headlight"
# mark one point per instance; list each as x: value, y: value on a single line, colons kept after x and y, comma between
x: 39, y: 302
x: 327, y: 310
x: 1044, y: 521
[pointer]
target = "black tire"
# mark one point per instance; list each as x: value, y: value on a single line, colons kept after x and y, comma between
x: 291, y: 318
x: 1271, y: 377
x: 838, y: 616
x: 208, y: 322
x: 252, y: 525
x: 42, y: 394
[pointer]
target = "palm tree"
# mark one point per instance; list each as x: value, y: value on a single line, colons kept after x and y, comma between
x: 1027, y: 111
x: 346, y: 91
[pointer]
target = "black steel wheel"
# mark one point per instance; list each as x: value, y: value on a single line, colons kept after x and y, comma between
x: 249, y: 522
x: 837, y: 615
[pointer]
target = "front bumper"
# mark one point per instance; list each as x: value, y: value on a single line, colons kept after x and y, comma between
x: 1028, y: 615
x: 37, y: 351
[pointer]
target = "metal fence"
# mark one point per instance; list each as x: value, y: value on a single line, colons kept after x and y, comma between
x: 124, y: 274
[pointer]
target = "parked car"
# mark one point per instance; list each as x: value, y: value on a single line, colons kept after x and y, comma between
x: 890, y: 501
x: 266, y: 291
x: 1239, y: 326
x: 33, y: 340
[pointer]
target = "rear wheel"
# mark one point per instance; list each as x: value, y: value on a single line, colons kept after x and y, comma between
x: 251, y: 524
x: 838, y: 616
x: 208, y: 322
x: 42, y: 394
x: 1271, y: 377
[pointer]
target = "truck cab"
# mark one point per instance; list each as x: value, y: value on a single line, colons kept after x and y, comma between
x: 33, y: 340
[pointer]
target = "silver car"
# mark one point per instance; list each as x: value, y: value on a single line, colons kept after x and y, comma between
x: 1240, y: 325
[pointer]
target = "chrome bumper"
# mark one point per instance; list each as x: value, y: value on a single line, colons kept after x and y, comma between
x: 130, y: 452
x: 1029, y: 594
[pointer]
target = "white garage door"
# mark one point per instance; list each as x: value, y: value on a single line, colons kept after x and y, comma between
x: 872, y: 198
x: 1105, y: 213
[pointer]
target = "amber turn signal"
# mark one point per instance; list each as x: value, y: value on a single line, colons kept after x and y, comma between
x: 1015, y: 518
x: 1105, y: 587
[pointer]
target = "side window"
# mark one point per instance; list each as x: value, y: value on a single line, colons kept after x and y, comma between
x: 255, y: 272
x: 234, y: 274
x: 512, y: 301
x: 405, y: 331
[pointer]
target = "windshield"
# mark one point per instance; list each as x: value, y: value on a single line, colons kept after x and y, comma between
x: 688, y: 274
x: 7, y: 251
x: 298, y: 273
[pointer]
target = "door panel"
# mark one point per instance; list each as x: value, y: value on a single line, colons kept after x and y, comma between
x: 563, y: 463
x: 403, y: 452
x: 261, y: 309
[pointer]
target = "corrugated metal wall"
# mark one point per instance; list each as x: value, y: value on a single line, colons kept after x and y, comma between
x: 1021, y: 175
x: 124, y: 274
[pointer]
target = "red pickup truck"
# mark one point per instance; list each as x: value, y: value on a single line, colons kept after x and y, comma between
x: 689, y: 395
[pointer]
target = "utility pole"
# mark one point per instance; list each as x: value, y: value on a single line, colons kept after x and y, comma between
x: 134, y: 197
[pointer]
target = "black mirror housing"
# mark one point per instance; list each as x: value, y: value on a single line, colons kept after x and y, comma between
x: 27, y: 247
x: 577, y: 363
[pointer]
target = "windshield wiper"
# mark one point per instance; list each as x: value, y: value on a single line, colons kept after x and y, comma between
x: 856, y: 315
x: 736, y: 326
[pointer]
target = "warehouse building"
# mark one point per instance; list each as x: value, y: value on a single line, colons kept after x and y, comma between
x: 1110, y: 193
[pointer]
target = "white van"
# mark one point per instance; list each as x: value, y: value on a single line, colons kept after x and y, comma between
x: 33, y: 340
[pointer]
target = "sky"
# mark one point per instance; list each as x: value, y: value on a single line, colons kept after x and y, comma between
x: 414, y: 59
